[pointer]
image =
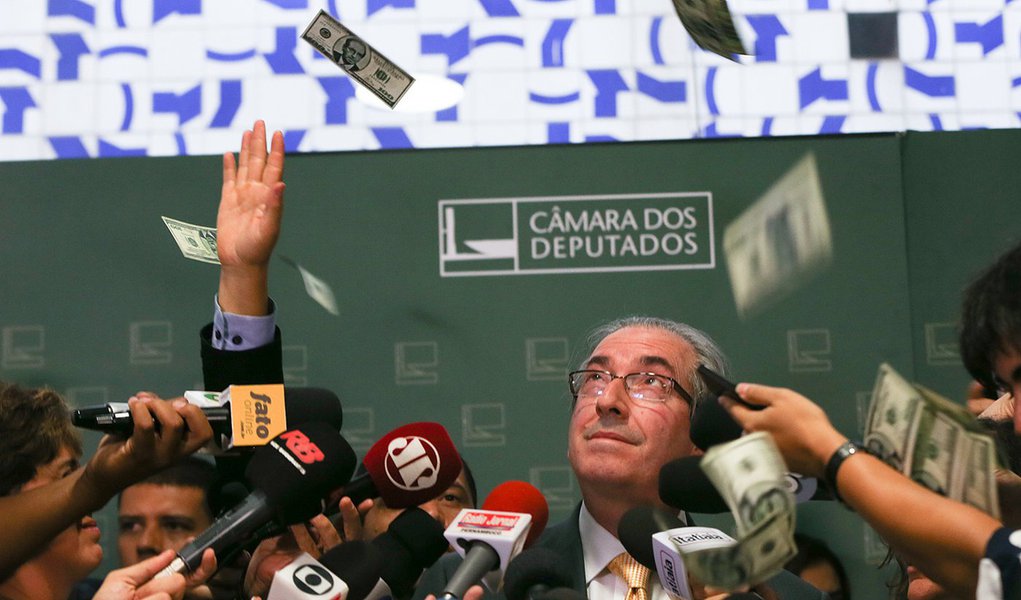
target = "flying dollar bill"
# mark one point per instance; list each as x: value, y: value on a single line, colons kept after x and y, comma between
x: 709, y: 23
x: 893, y: 418
x: 316, y: 288
x: 780, y: 242
x: 358, y: 59
x: 749, y: 474
x: 195, y: 241
x: 932, y: 440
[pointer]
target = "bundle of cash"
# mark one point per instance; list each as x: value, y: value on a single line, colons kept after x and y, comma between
x: 932, y: 440
x: 709, y: 23
x: 749, y: 474
x: 197, y: 242
x: 780, y: 241
x: 358, y: 59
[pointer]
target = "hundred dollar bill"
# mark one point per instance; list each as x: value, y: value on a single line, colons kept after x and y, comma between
x: 893, y: 418
x: 316, y: 288
x: 979, y: 487
x: 360, y: 60
x: 749, y: 474
x: 195, y: 241
x: 780, y: 242
x: 709, y: 23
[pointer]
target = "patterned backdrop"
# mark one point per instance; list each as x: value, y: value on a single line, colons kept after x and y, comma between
x: 180, y: 77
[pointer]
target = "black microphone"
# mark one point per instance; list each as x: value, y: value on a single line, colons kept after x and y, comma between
x: 685, y: 486
x: 534, y: 573
x: 348, y: 570
x: 411, y: 544
x: 711, y: 424
x: 290, y: 476
x: 301, y: 405
x: 637, y: 527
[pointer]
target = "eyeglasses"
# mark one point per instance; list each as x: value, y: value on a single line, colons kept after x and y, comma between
x: 648, y: 387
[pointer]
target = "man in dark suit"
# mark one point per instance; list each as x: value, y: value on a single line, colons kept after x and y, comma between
x: 632, y: 409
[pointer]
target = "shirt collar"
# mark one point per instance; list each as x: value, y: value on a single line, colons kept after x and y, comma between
x: 599, y: 545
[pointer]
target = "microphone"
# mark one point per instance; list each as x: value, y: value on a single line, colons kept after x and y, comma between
x: 243, y: 415
x: 711, y: 424
x: 289, y: 476
x: 685, y: 486
x: 412, y: 543
x: 514, y: 515
x: 534, y: 573
x: 640, y: 531
x: 347, y: 571
x: 409, y: 466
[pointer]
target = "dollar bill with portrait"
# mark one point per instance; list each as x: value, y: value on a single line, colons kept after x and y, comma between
x: 197, y: 242
x: 361, y: 61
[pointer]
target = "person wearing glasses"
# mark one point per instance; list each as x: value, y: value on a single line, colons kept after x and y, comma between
x: 633, y: 400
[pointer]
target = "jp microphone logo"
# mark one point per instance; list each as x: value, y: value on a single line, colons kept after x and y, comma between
x: 412, y: 463
x: 303, y: 448
x: 313, y: 579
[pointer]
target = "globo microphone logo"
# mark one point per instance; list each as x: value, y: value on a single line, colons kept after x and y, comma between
x: 313, y: 579
x: 412, y: 463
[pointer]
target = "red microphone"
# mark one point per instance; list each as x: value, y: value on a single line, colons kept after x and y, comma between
x: 513, y: 516
x: 520, y: 497
x: 409, y: 466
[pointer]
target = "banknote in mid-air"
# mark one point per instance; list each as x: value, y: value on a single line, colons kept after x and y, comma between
x: 749, y: 474
x: 709, y: 23
x: 780, y: 242
x: 196, y: 242
x: 358, y: 59
x: 316, y: 288
x: 932, y: 440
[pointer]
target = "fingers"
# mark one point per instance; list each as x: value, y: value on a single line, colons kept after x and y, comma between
x: 143, y: 438
x: 257, y: 152
x: 171, y: 425
x: 475, y: 592
x: 274, y: 172
x: 351, y: 518
x: 246, y: 143
x: 323, y: 531
x: 197, y: 425
x: 205, y: 570
x: 229, y: 169
x: 148, y: 568
x: 303, y: 538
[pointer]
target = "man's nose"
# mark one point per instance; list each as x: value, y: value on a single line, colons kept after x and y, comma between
x: 614, y: 400
x: 152, y: 537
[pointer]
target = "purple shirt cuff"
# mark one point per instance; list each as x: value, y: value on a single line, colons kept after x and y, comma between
x: 242, y: 332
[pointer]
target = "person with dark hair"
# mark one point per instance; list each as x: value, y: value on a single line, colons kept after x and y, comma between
x: 990, y: 338
x: 165, y: 511
x: 632, y: 403
x: 49, y: 539
x: 818, y: 565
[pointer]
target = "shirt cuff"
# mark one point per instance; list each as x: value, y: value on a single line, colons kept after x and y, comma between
x: 242, y: 332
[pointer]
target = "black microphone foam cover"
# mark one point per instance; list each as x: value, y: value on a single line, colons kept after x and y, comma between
x: 637, y: 527
x: 562, y: 593
x: 711, y: 424
x: 412, y: 542
x: 299, y: 467
x: 536, y: 567
x: 307, y: 404
x: 358, y: 563
x: 685, y: 486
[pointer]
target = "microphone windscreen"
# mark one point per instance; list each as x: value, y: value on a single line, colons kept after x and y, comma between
x: 536, y: 567
x: 421, y: 534
x: 306, y: 404
x: 413, y: 464
x: 299, y: 467
x: 637, y: 527
x: 562, y: 593
x: 685, y: 486
x: 520, y: 497
x: 358, y: 563
x: 711, y: 424
x: 412, y: 542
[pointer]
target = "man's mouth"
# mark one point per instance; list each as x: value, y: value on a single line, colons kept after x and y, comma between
x: 606, y: 434
x: 88, y: 523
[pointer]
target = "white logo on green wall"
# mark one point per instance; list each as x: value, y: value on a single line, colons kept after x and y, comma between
x: 569, y: 234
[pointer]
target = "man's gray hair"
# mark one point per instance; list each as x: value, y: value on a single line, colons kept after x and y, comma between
x: 706, y: 350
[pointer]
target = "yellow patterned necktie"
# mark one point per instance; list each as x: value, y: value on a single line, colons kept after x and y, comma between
x: 633, y: 573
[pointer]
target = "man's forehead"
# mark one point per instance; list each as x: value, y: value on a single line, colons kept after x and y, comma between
x: 643, y: 345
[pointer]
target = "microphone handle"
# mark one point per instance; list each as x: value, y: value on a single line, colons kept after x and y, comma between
x: 118, y: 422
x: 480, y: 559
x: 231, y: 529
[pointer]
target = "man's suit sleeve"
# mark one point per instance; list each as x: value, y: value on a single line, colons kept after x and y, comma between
x: 222, y: 368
